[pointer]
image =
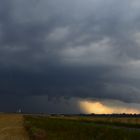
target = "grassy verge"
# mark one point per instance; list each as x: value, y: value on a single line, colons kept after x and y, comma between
x: 120, y: 122
x: 47, y: 128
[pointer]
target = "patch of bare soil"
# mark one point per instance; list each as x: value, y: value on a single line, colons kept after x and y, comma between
x: 11, y: 127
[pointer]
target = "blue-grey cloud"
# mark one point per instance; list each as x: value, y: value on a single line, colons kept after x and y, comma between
x: 70, y: 49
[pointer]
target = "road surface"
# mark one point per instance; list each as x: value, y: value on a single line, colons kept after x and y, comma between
x: 11, y: 127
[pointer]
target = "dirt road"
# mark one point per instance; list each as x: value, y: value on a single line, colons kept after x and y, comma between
x: 11, y: 127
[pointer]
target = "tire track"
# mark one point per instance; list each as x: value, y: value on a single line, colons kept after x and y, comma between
x: 12, y: 128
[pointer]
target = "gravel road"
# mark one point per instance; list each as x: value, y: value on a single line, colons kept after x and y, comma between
x: 11, y: 127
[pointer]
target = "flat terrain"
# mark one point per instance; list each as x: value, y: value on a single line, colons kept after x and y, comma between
x: 11, y: 127
x: 82, y: 128
x: 16, y: 127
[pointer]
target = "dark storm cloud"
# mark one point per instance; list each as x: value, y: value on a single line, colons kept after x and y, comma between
x: 61, y: 48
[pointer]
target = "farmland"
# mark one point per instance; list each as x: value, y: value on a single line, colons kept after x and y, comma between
x: 39, y: 127
x: 82, y: 128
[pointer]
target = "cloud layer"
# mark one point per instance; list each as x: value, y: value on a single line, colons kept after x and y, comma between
x: 71, y: 49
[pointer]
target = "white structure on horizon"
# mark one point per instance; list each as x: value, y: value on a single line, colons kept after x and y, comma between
x: 19, y: 111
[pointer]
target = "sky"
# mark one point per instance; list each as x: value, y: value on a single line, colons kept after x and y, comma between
x: 61, y: 56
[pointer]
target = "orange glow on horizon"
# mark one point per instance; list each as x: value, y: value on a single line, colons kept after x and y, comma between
x: 99, y: 108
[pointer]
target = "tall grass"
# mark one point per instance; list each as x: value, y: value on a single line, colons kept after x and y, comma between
x: 47, y: 128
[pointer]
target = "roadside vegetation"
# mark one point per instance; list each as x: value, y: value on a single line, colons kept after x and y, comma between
x: 80, y: 128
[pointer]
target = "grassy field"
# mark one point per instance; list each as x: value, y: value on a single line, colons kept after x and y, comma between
x: 130, y: 122
x: 79, y: 128
x: 12, y: 128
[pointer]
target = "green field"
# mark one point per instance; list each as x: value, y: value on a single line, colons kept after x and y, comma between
x: 82, y: 128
